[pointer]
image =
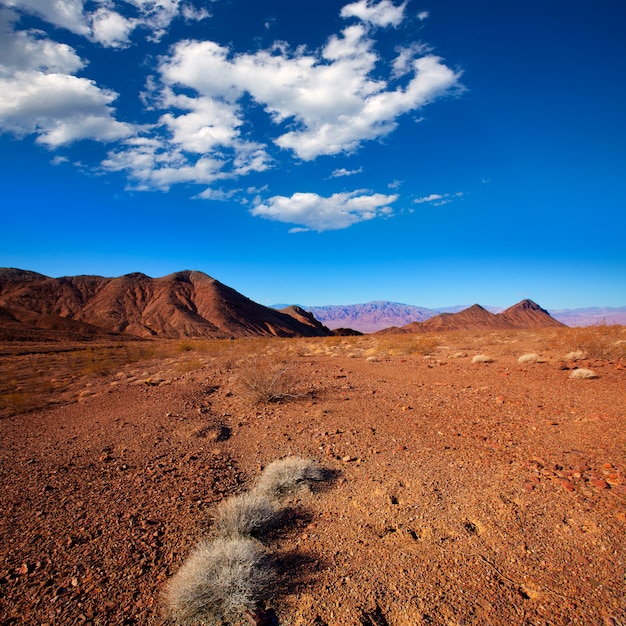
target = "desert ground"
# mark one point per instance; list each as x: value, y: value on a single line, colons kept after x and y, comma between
x: 464, y: 490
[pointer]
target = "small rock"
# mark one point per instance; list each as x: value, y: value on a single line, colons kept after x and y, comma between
x: 598, y: 483
x: 566, y: 484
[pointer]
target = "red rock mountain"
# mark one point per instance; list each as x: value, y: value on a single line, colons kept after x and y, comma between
x: 524, y: 314
x: 183, y: 304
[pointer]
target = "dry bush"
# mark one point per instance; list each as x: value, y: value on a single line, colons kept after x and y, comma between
x: 482, y: 358
x: 596, y: 342
x: 268, y: 379
x: 219, y: 582
x: 249, y: 514
x: 288, y: 476
x: 531, y: 357
x: 575, y: 355
x: 582, y: 373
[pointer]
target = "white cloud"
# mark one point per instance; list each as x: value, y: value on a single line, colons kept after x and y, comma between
x: 316, y: 212
x: 111, y: 29
x: 40, y: 95
x: 152, y: 163
x: 437, y: 199
x: 59, y: 108
x: 403, y: 63
x: 108, y: 24
x: 383, y: 13
x: 155, y: 163
x: 31, y: 51
x: 67, y: 14
x: 423, y: 15
x: 344, y: 172
x: 332, y: 101
x: 193, y: 14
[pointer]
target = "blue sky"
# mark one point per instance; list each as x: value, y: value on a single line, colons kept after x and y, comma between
x: 320, y: 152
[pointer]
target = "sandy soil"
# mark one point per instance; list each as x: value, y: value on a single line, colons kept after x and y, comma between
x: 466, y: 493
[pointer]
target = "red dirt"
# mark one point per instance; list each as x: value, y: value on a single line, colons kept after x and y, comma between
x: 465, y: 493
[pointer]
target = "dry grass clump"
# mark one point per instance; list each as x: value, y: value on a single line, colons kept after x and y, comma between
x: 575, y: 355
x: 482, y: 358
x: 220, y: 581
x: 225, y: 579
x: 287, y: 476
x: 531, y: 357
x: 268, y: 379
x: 582, y: 373
x: 248, y: 514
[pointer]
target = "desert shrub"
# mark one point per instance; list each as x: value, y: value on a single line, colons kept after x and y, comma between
x: 582, y: 373
x: 529, y: 358
x: 600, y: 342
x: 219, y: 582
x: 425, y: 344
x: 268, y: 379
x: 405, y: 344
x: 575, y: 355
x: 245, y: 515
x: 482, y: 358
x: 287, y: 476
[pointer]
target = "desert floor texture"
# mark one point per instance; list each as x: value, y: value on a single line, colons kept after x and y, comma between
x: 464, y: 493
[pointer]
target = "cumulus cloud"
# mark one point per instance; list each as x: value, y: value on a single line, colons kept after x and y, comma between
x: 423, y: 15
x: 109, y: 23
x: 39, y: 93
x: 319, y: 213
x: 111, y: 29
x: 68, y: 14
x: 383, y: 13
x: 331, y: 100
x: 58, y: 108
x: 437, y: 199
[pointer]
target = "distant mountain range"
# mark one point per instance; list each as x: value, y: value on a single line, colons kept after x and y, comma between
x: 192, y: 304
x: 378, y: 315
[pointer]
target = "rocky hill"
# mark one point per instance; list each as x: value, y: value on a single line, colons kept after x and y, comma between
x: 183, y: 304
x: 524, y: 314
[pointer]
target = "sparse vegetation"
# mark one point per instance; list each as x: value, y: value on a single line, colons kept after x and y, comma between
x: 482, y: 358
x: 531, y: 357
x: 219, y: 581
x: 266, y: 379
x: 287, y: 476
x: 583, y: 373
x: 575, y: 355
x: 249, y: 514
x: 406, y: 344
x: 223, y: 579
x: 599, y: 342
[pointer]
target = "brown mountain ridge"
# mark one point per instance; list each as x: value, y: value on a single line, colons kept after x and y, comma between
x: 188, y: 304
x: 524, y: 314
x: 183, y: 304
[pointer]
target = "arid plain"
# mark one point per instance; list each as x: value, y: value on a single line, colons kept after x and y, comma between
x: 467, y: 490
